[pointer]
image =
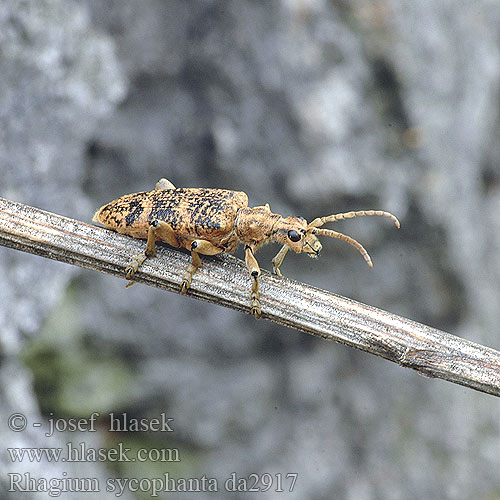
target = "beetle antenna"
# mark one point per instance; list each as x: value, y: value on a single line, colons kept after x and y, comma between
x: 350, y: 215
x: 347, y: 239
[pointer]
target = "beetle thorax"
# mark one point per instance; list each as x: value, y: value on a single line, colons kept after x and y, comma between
x: 255, y: 226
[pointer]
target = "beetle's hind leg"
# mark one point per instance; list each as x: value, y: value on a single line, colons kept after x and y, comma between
x: 197, y: 247
x: 139, y: 259
x: 191, y: 269
x: 158, y: 230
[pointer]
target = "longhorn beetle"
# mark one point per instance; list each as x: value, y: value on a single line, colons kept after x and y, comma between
x: 212, y: 221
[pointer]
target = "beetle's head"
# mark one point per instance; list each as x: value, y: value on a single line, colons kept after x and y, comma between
x: 295, y: 233
x: 300, y: 236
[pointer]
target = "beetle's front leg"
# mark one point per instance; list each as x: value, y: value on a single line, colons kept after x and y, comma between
x: 254, y: 270
x: 157, y: 230
x: 278, y: 260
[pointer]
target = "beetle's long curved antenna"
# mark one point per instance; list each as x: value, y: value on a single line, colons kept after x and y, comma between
x: 319, y: 221
x: 347, y: 239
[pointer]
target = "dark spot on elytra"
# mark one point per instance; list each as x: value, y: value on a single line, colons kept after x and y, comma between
x: 135, y: 210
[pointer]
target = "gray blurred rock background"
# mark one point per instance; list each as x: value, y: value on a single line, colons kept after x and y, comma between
x: 313, y: 106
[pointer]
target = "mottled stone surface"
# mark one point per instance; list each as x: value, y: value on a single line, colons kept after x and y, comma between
x: 315, y: 107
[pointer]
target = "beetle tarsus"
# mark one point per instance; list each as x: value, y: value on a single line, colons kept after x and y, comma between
x: 184, y: 286
x: 191, y: 269
x: 134, y: 265
x: 139, y: 259
x: 255, y: 299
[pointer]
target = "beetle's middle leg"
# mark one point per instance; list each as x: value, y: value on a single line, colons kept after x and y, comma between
x: 254, y: 270
x: 158, y: 230
x: 197, y: 247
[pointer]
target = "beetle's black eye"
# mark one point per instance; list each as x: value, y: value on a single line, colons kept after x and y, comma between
x: 294, y: 235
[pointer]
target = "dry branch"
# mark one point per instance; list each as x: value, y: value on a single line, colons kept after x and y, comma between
x: 225, y: 281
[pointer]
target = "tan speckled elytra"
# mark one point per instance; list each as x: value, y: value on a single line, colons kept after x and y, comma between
x: 212, y: 221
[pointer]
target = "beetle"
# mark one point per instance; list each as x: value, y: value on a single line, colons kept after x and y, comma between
x: 210, y: 221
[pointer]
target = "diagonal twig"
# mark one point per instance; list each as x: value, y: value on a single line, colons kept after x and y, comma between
x: 225, y: 281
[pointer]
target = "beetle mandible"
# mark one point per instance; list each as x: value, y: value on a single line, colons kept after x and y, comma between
x: 211, y: 221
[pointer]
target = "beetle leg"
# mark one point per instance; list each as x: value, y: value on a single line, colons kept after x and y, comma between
x: 254, y: 270
x: 205, y: 247
x: 278, y: 260
x: 191, y: 269
x: 139, y: 259
x: 255, y: 299
x: 158, y: 230
x: 164, y: 184
x: 197, y: 247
